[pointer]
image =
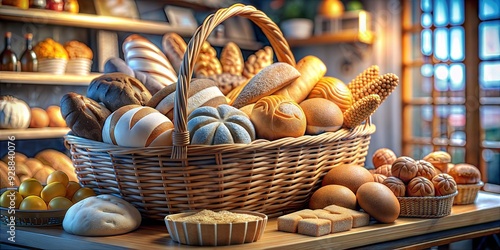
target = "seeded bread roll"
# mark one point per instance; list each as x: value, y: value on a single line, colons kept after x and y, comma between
x: 83, y: 115
x: 444, y: 184
x: 419, y: 187
x: 464, y: 173
x: 174, y: 48
x: 115, y: 90
x: 268, y: 80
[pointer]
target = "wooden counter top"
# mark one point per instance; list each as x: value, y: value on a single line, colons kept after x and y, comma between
x: 154, y: 235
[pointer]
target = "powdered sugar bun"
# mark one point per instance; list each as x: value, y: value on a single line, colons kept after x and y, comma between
x: 137, y: 126
x: 334, y: 90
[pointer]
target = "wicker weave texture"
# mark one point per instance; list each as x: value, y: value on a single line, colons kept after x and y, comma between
x: 467, y: 194
x: 426, y: 207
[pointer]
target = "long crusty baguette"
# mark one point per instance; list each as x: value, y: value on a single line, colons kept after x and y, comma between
x: 311, y: 69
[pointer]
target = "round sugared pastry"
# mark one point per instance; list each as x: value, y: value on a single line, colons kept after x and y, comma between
x: 425, y: 169
x: 444, y: 184
x: 464, y: 173
x: 396, y: 185
x: 384, y: 169
x: 334, y: 90
x: 383, y: 156
x: 137, y: 126
x: 322, y: 116
x: 439, y: 159
x: 276, y: 117
x: 405, y: 168
x: 420, y: 187
x: 379, y: 178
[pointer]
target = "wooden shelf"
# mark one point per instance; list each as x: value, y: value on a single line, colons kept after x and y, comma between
x: 341, y: 37
x: 46, y: 78
x: 33, y: 133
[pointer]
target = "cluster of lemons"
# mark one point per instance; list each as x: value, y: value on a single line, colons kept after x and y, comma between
x: 59, y: 193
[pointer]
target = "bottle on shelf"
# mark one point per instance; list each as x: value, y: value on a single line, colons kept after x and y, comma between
x: 37, y: 4
x: 8, y: 57
x: 29, y: 61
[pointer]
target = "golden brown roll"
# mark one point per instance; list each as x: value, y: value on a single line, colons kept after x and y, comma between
x: 55, y: 117
x: 334, y: 90
x: 39, y: 118
x: 405, y: 168
x: 207, y: 63
x: 350, y: 176
x: 385, y: 169
x: 425, y: 169
x: 420, y: 187
x: 277, y: 117
x: 322, y: 115
x: 396, y: 185
x: 380, y: 178
x: 78, y: 49
x: 378, y: 201
x: 439, y: 159
x: 464, y: 173
x: 257, y: 61
x: 383, y: 156
x: 8, y: 178
x: 332, y: 195
x: 444, y: 184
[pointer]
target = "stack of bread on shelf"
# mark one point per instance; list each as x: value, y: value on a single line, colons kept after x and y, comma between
x: 17, y: 114
x: 230, y: 100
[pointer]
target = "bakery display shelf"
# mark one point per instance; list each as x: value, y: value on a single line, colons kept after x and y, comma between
x: 341, y: 37
x: 34, y: 133
x: 46, y: 78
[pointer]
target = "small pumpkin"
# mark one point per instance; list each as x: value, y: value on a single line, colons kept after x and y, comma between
x: 14, y: 113
x: 222, y: 125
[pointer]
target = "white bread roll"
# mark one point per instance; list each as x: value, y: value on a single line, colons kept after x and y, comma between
x: 276, y: 117
x: 334, y: 90
x: 101, y: 215
x: 311, y: 70
x: 268, y: 80
x: 322, y: 116
x: 137, y: 126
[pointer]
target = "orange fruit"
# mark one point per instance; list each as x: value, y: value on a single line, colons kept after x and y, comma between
x: 52, y: 190
x: 60, y: 203
x: 33, y: 202
x: 71, y: 188
x: 82, y: 193
x: 30, y: 187
x: 11, y: 198
x: 58, y: 176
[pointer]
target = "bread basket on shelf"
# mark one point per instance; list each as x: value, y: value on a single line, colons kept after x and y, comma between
x: 467, y: 193
x: 426, y: 207
x: 271, y: 177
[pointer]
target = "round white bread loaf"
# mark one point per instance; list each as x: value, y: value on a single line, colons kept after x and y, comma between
x: 268, y: 80
x: 322, y: 116
x: 334, y: 90
x: 277, y: 117
x: 137, y: 126
x: 202, y: 92
x: 101, y: 215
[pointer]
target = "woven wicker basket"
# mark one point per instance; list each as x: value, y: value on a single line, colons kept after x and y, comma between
x: 467, y: 194
x: 426, y: 207
x: 270, y: 177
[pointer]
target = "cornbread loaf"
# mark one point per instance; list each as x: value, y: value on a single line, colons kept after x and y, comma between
x: 222, y: 125
x: 339, y: 222
x: 322, y: 116
x: 115, y: 64
x: 385, y: 169
x: 207, y: 63
x: 206, y: 216
x: 362, y: 80
x: 267, y: 81
x: 137, y: 126
x: 231, y: 59
x: 227, y: 81
x: 314, y: 227
x: 378, y: 201
x: 361, y: 110
x: 311, y: 70
x: 332, y: 195
x: 276, y: 117
x: 257, y: 61
x: 55, y: 117
x: 350, y: 176
x: 7, y: 177
x: 174, y: 47
x: 334, y: 90
x: 405, y: 168
x: 419, y: 187
x: 116, y: 90
x: 101, y: 215
x: 39, y: 118
x: 383, y: 156
x: 425, y: 169
x: 464, y: 173
x: 144, y: 56
x: 58, y: 161
x: 359, y: 219
x: 77, y: 49
x: 84, y: 116
x: 444, y: 184
x: 380, y: 178
x: 202, y: 92
x: 396, y: 185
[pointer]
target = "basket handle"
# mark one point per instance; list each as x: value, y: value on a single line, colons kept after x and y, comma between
x: 180, y: 136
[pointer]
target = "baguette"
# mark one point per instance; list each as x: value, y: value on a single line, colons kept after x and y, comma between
x: 311, y: 70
